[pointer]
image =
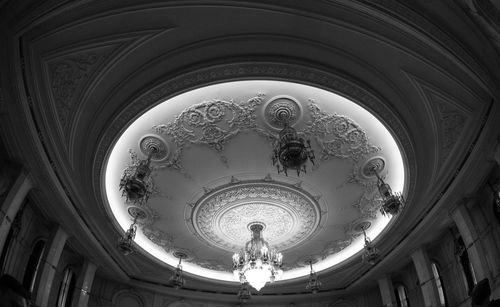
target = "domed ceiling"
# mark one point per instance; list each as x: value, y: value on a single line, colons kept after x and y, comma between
x: 213, y: 176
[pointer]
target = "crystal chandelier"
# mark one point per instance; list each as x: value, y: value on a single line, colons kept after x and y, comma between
x: 136, y: 184
x: 392, y: 202
x: 177, y: 280
x: 371, y: 253
x: 313, y: 284
x: 244, y: 294
x: 291, y: 151
x: 256, y: 264
x: 125, y: 242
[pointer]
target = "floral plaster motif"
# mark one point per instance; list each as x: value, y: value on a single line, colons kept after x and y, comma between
x: 338, y: 135
x: 214, y: 122
x: 158, y: 237
x: 210, y: 123
x: 221, y: 218
x: 336, y: 246
x: 67, y: 76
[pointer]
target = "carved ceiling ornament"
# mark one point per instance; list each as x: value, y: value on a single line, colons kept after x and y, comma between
x: 290, y: 215
x: 452, y: 121
x: 282, y: 109
x: 338, y: 135
x: 210, y: 123
x: 66, y: 76
x: 258, y: 70
x: 214, y: 122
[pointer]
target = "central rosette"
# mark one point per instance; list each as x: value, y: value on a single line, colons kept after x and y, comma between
x: 222, y: 216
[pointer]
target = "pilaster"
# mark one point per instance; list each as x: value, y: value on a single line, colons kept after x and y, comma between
x: 469, y: 232
x: 84, y: 285
x: 387, y: 291
x: 50, y: 260
x: 426, y: 278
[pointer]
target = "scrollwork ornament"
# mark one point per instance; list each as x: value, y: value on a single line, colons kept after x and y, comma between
x: 338, y: 136
x: 211, y: 123
x: 158, y: 237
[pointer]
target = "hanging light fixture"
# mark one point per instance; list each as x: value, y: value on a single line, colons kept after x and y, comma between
x: 392, y: 202
x: 125, y: 242
x: 244, y: 294
x: 136, y: 184
x: 313, y: 284
x: 371, y: 253
x: 256, y: 264
x: 177, y: 280
x: 291, y: 151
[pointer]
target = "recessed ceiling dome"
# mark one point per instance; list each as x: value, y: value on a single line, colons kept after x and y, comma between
x: 213, y: 176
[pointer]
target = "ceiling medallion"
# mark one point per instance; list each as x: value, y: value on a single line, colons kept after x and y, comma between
x: 281, y: 109
x: 220, y: 217
x: 155, y: 145
x: 256, y: 264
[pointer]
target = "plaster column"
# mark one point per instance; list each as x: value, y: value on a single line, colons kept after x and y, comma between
x: 50, y: 260
x: 84, y: 285
x: 387, y: 291
x: 462, y: 218
x: 426, y: 278
x: 11, y: 204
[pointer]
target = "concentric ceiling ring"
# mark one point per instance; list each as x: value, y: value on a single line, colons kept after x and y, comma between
x: 290, y: 214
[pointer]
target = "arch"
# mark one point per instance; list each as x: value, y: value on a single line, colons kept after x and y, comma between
x: 401, y: 295
x: 66, y: 288
x: 128, y: 298
x: 439, y: 283
x: 33, y: 265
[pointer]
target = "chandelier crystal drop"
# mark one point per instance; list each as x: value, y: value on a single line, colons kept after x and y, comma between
x: 257, y: 264
x: 313, y: 284
x: 177, y: 280
x: 291, y: 151
x: 125, y: 242
x: 392, y: 202
x: 136, y: 184
x: 370, y: 253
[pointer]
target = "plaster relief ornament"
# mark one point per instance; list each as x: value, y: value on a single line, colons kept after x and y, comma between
x: 219, y: 205
x: 221, y: 217
x: 338, y: 136
x: 211, y: 123
x: 214, y: 122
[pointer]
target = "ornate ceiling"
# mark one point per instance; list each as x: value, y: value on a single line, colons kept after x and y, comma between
x: 404, y: 87
x: 212, y: 170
